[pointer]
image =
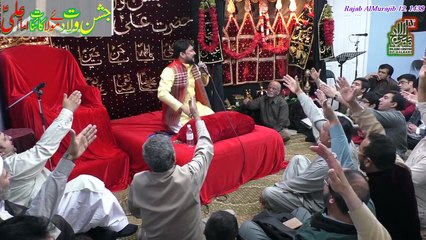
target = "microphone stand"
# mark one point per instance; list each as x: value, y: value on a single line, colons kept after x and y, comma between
x: 356, y: 58
x: 43, y: 122
x: 39, y: 92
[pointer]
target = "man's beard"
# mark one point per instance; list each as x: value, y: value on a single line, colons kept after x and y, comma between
x: 4, y: 193
x: 189, y: 61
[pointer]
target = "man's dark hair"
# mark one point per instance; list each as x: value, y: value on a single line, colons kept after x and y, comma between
x: 388, y: 67
x: 381, y: 151
x: 158, y: 153
x: 347, y: 126
x: 373, y: 98
x: 180, y: 46
x: 410, y: 78
x: 365, y: 84
x: 398, y: 99
x: 221, y: 226
x: 25, y: 227
x: 361, y: 189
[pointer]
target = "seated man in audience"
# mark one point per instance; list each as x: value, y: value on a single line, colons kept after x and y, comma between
x: 221, y: 225
x: 417, y: 159
x: 391, y: 119
x: 381, y: 82
x: 368, y: 100
x: 167, y: 198
x: 46, y: 202
x: 345, y: 215
x: 180, y: 81
x: 391, y: 186
x: 303, y: 180
x: 29, y: 174
x: 408, y: 83
x: 273, y: 109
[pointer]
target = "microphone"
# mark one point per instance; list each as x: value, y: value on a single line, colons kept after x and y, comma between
x: 40, y: 86
x: 360, y: 34
x: 203, y: 67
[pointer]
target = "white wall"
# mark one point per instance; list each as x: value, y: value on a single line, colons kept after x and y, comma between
x: 347, y: 23
x: 377, y: 25
x: 380, y: 26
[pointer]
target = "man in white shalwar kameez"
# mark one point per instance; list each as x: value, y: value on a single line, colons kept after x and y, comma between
x: 86, y: 202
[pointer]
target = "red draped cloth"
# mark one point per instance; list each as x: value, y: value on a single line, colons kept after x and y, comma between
x: 23, y: 68
x: 236, y: 160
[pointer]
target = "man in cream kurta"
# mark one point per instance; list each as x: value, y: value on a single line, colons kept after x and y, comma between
x: 180, y: 81
x: 82, y: 194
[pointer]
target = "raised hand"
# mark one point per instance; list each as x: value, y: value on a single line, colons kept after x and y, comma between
x: 321, y: 97
x: 81, y: 142
x: 315, y: 75
x: 193, y: 108
x: 348, y: 94
x: 336, y: 177
x: 73, y: 101
x: 326, y: 153
x: 292, y: 84
x: 329, y: 91
x: 412, y: 98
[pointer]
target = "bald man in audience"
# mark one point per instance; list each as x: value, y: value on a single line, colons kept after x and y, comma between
x: 273, y: 109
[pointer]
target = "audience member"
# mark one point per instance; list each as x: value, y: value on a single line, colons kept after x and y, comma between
x: 26, y: 227
x: 221, y: 225
x: 273, y: 109
x: 382, y: 81
x: 391, y: 186
x: 368, y: 100
x: 417, y: 159
x: 345, y: 215
x: 46, y: 202
x: 167, y: 198
x: 408, y: 83
x: 180, y: 81
x: 388, y: 114
x: 84, y: 194
x: 303, y: 180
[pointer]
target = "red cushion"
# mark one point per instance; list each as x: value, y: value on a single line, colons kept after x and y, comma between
x: 221, y: 126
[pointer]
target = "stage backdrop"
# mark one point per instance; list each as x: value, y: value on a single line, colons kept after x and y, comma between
x: 127, y: 66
